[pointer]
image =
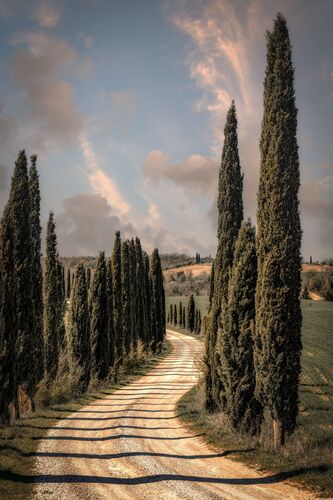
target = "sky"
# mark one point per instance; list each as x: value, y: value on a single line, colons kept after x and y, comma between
x: 124, y: 102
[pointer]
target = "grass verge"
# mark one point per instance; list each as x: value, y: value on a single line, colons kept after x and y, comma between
x: 19, y: 442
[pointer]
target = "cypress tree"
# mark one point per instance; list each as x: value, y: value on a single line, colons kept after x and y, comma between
x: 51, y: 302
x: 180, y: 314
x: 112, y: 354
x: 171, y: 313
x: 8, y: 332
x: 134, y: 299
x: 20, y: 210
x: 191, y: 314
x: 37, y: 354
x: 184, y: 317
x: 126, y: 297
x: 79, y: 332
x: 158, y: 300
x: 68, y: 288
x: 141, y: 317
x: 117, y: 297
x: 278, y: 314
x: 147, y: 301
x: 61, y: 307
x: 99, y: 322
x: 230, y: 215
x: 236, y: 358
x: 175, y: 318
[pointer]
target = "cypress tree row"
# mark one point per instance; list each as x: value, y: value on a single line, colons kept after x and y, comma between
x: 79, y: 327
x: 180, y: 314
x: 134, y: 301
x: 99, y: 322
x: 175, y: 315
x: 230, y: 215
x: 278, y: 315
x: 184, y: 317
x: 88, y: 278
x: 37, y: 354
x: 191, y: 314
x: 117, y: 298
x: 236, y: 358
x: 52, y: 319
x: 61, y: 307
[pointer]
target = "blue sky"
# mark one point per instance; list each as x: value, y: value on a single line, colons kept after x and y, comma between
x: 124, y: 102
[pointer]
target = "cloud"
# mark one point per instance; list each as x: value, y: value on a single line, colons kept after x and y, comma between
x: 99, y: 181
x: 50, y: 101
x: 88, y: 225
x: 197, y: 173
x: 47, y: 13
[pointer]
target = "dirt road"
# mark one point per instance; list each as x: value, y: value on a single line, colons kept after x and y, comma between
x: 131, y: 445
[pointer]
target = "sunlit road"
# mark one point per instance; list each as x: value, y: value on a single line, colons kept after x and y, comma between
x: 132, y: 445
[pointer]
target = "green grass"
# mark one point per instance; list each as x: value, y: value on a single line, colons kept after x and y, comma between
x: 308, y: 455
x: 19, y: 442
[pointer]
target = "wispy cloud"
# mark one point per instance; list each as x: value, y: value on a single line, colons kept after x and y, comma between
x: 100, y: 182
x: 47, y: 13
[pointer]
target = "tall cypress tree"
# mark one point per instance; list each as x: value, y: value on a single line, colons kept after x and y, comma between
x: 79, y: 331
x: 184, y: 317
x: 191, y: 314
x: 278, y: 314
x: 134, y: 293
x: 88, y: 278
x: 51, y: 302
x: 230, y: 215
x: 158, y: 300
x: 147, y: 301
x: 211, y: 288
x: 8, y: 332
x: 99, y: 327
x: 22, y: 248
x: 117, y: 306
x: 180, y: 314
x: 126, y: 297
x: 175, y: 315
x: 236, y: 358
x: 141, y: 316
x: 61, y: 307
x: 37, y: 354
x: 112, y: 354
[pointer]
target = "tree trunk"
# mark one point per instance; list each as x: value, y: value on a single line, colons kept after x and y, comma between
x: 278, y: 433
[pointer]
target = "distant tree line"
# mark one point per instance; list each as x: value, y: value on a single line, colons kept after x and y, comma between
x: 253, y: 332
x: 99, y: 321
x: 187, y: 318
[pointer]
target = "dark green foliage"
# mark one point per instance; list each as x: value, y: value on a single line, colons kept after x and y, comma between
x: 278, y: 315
x: 37, y: 341
x: 158, y: 301
x: 52, y: 318
x: 8, y: 333
x: 191, y: 314
x: 68, y: 283
x: 126, y: 297
x: 236, y: 364
x: 99, y: 322
x: 61, y: 307
x: 78, y: 330
x: 230, y: 215
x: 117, y: 297
x: 171, y: 313
x: 109, y: 287
x: 184, y: 317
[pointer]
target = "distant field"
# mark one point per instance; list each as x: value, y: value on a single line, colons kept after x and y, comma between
x: 201, y: 302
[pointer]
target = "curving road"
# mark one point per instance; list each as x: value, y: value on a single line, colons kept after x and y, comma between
x: 131, y: 445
